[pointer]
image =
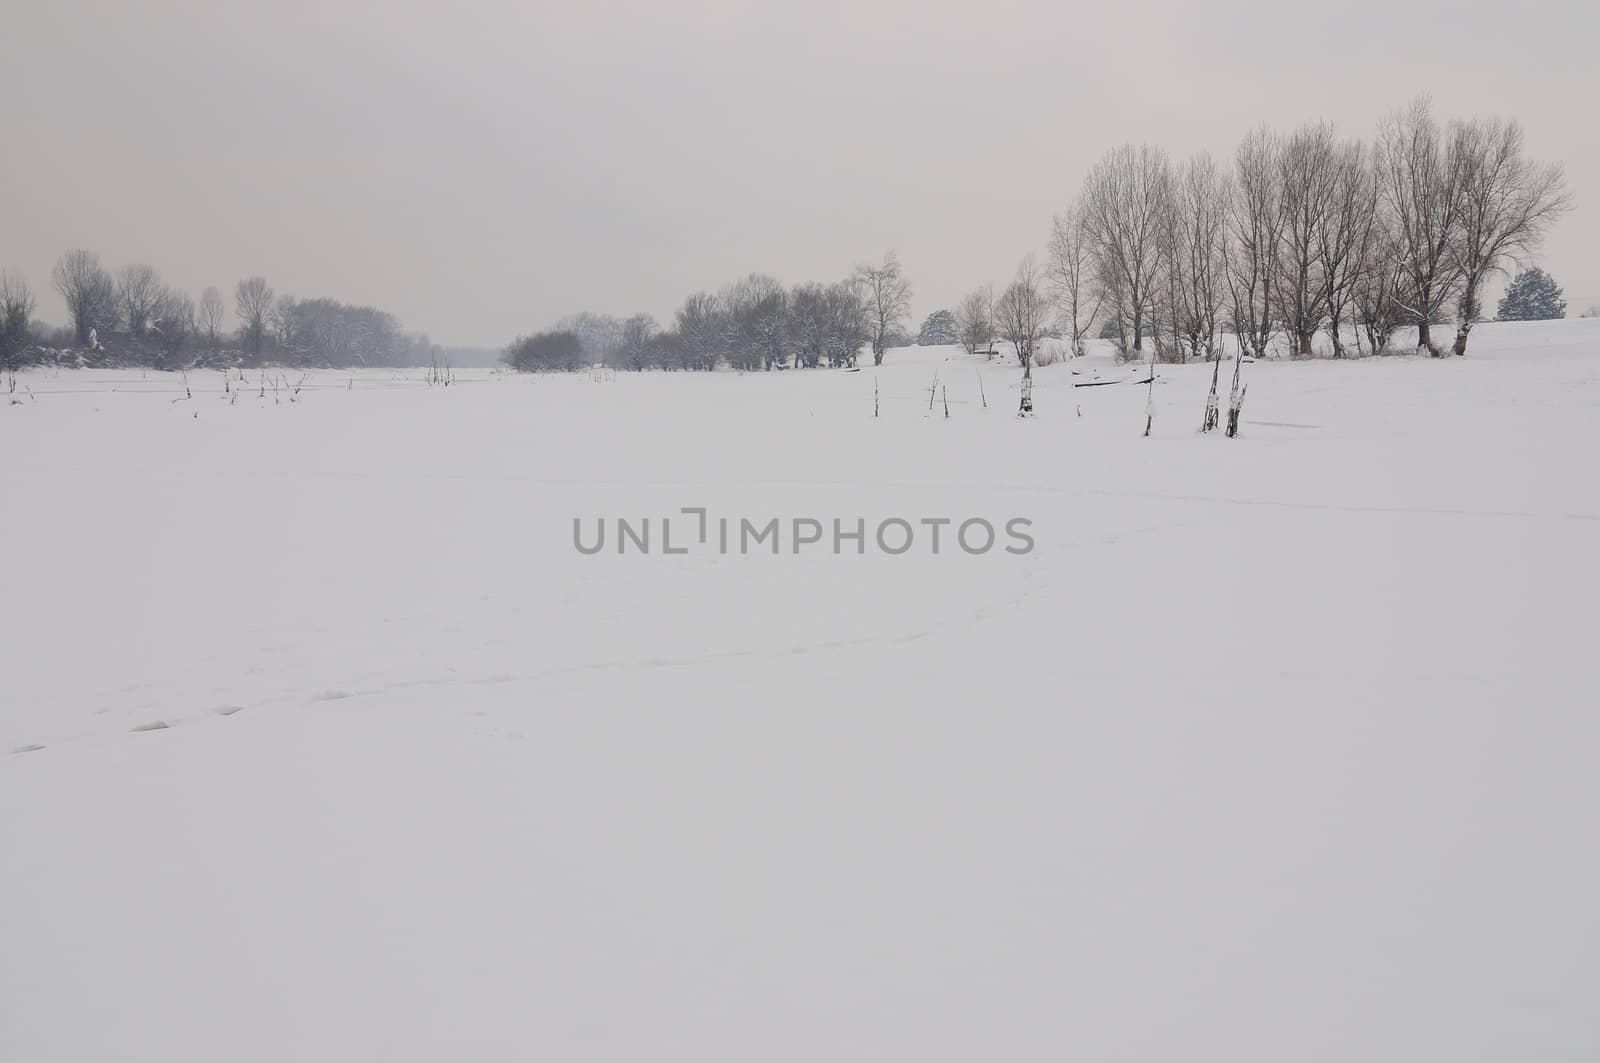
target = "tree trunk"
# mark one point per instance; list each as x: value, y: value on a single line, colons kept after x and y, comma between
x: 1466, y: 310
x: 1424, y: 338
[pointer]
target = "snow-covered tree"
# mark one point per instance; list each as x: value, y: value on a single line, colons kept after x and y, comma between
x: 1533, y: 295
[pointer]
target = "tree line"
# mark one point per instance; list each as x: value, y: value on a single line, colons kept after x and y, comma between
x: 130, y: 316
x: 752, y: 324
x: 1298, y: 234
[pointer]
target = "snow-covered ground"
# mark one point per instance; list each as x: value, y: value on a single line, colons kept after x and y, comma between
x: 1280, y: 747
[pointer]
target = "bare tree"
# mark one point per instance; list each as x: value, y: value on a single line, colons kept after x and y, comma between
x: 852, y: 325
x: 703, y: 330
x: 16, y: 311
x: 1072, y: 276
x: 1507, y: 205
x: 825, y: 323
x: 1020, y: 317
x: 1254, y: 230
x: 975, y: 320
x: 598, y: 334
x: 1124, y: 210
x: 810, y: 324
x: 1307, y: 180
x: 139, y: 293
x: 887, y: 295
x: 1421, y: 183
x: 173, y: 323
x: 546, y: 352
x: 211, y: 311
x: 1200, y: 214
x: 1021, y: 313
x: 637, y: 346
x: 328, y: 331
x: 90, y: 293
x: 252, y: 304
x: 1345, y: 236
x: 1376, y: 296
x: 285, y: 320
x: 757, y: 307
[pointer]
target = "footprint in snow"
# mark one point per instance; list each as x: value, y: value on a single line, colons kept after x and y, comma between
x: 153, y: 725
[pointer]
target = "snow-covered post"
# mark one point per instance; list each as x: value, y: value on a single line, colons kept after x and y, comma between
x: 1210, y: 420
x: 1150, y: 396
x: 1235, y: 400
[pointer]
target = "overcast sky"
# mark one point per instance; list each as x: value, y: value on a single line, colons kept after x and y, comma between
x: 480, y: 169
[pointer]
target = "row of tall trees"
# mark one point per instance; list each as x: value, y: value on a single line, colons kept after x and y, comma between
x: 755, y: 323
x: 165, y: 322
x: 1299, y: 234
x: 131, y: 299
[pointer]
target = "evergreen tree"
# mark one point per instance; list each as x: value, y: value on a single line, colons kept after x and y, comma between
x: 1533, y: 295
x: 939, y: 329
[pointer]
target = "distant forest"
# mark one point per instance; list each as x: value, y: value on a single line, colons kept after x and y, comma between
x: 129, y: 317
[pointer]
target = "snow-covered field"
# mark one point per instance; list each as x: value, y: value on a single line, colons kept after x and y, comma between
x: 1274, y: 748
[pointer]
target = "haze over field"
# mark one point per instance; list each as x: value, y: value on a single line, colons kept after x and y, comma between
x: 484, y: 169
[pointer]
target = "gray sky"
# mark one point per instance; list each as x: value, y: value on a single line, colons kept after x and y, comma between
x: 480, y: 169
